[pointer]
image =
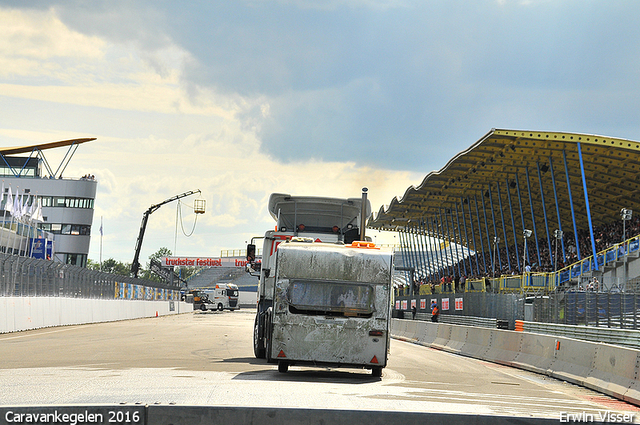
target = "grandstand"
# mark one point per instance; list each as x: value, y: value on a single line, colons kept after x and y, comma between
x: 209, y: 276
x: 536, y: 227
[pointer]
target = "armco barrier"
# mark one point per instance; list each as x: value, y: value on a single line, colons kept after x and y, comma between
x: 24, y: 313
x: 609, y: 369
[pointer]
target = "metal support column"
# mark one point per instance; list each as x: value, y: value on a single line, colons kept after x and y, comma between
x: 466, y: 236
x: 434, y: 231
x: 544, y: 211
x: 504, y: 227
x: 484, y: 261
x: 586, y: 200
x: 473, y: 235
x: 495, y: 230
x: 451, y: 244
x: 533, y: 216
x: 524, y: 247
x: 464, y: 264
x: 573, y: 214
x: 486, y: 227
x: 555, y: 195
x: 513, y: 226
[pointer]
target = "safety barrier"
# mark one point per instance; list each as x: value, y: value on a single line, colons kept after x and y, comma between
x: 24, y: 313
x: 625, y: 337
x: 602, y: 367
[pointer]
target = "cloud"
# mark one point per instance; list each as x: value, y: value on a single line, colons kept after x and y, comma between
x: 240, y: 99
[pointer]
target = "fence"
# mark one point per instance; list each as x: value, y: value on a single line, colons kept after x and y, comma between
x: 504, y: 307
x: 30, y: 277
x: 590, y: 308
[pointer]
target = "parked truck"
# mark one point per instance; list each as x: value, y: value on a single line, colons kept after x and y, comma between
x: 324, y: 291
x: 224, y: 296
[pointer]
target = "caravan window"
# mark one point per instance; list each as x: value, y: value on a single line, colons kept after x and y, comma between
x: 331, y: 297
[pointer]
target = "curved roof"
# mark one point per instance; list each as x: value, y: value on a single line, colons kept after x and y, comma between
x: 492, y: 170
x: 43, y: 146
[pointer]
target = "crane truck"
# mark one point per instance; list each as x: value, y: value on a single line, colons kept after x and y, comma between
x: 324, y: 291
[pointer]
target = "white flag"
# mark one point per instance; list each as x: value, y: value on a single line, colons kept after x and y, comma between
x: 37, y: 214
x: 8, y: 206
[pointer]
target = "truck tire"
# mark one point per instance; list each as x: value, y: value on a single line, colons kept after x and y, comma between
x: 203, y: 307
x: 376, y: 372
x: 220, y: 307
x: 283, y: 366
x: 258, y: 344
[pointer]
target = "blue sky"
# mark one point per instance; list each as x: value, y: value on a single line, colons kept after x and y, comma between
x: 244, y: 98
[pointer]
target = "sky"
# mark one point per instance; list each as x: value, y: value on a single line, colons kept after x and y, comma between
x: 243, y: 98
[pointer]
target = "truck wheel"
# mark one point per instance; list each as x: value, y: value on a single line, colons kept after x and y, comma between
x: 258, y: 344
x: 283, y: 366
x: 376, y: 372
x: 203, y: 307
x: 220, y: 307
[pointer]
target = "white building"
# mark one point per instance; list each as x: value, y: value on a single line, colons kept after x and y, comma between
x: 67, y: 203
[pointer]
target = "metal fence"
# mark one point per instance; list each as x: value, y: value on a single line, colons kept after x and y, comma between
x: 587, y: 308
x: 503, y: 307
x: 30, y: 277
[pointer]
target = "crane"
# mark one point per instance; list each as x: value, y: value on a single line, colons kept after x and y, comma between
x: 135, y: 265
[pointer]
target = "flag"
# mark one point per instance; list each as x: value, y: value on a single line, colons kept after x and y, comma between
x: 9, y: 204
x: 36, y: 215
x: 17, y: 206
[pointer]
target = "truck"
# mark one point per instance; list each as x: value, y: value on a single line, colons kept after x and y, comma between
x: 324, y: 291
x: 224, y: 296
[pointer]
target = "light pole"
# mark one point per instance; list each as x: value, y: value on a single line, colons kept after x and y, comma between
x: 625, y: 214
x: 558, y: 234
x: 526, y: 233
x: 496, y: 241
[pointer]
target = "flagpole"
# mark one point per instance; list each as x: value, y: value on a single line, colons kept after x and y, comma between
x: 4, y: 214
x: 101, y: 243
x: 16, y: 211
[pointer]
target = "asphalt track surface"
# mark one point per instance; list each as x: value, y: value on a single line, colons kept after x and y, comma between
x: 206, y: 359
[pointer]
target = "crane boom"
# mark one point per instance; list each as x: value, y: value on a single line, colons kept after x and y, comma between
x: 135, y: 265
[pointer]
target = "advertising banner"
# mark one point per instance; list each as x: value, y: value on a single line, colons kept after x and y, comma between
x: 459, y: 304
x: 42, y: 248
x: 204, y: 261
x: 445, y: 304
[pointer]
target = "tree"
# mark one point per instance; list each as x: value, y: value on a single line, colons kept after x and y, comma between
x: 110, y: 266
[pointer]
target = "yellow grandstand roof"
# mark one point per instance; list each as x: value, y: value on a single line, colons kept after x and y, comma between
x: 493, y: 168
x: 43, y: 146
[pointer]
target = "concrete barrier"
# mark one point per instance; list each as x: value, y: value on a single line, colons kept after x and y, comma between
x: 477, y: 343
x: 609, y: 369
x: 614, y: 371
x: 25, y: 313
x: 537, y: 353
x: 442, y: 337
x: 504, y: 346
x: 457, y: 338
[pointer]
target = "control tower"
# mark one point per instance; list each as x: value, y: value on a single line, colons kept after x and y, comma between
x: 67, y: 203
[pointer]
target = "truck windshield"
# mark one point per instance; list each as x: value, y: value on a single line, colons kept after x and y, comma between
x: 232, y: 292
x: 321, y: 297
